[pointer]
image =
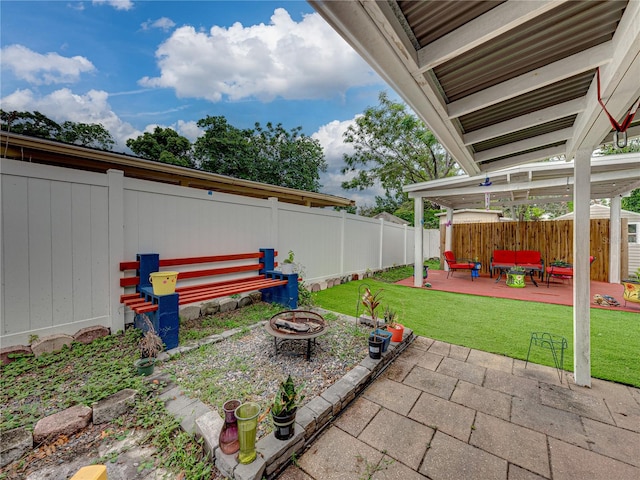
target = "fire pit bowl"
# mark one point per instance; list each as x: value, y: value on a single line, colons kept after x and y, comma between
x: 296, y: 325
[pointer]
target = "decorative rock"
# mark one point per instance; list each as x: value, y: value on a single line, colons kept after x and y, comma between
x: 315, y: 287
x: 244, y: 300
x: 51, y: 343
x: 228, y: 304
x: 113, y: 406
x: 190, y: 313
x: 13, y: 444
x: 210, y: 308
x: 6, y: 352
x: 256, y: 296
x: 89, y: 334
x: 66, y: 422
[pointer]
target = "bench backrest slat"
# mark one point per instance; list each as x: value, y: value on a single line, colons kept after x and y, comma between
x: 172, y: 262
x: 219, y: 271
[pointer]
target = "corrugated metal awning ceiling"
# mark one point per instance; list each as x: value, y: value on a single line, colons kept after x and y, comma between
x: 502, y: 83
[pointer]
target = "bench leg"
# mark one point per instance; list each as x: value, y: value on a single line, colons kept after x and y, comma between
x: 165, y: 320
x: 286, y: 295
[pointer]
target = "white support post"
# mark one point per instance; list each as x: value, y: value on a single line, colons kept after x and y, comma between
x: 115, y: 180
x: 448, y: 234
x: 418, y: 216
x: 614, y: 239
x: 581, y: 268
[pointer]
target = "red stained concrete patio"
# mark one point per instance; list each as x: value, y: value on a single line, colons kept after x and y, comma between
x: 560, y: 291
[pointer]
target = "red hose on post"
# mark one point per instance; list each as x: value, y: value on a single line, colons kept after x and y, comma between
x: 618, y: 127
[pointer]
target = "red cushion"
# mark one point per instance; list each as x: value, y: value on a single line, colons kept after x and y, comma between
x: 528, y: 257
x: 568, y: 271
x: 504, y: 256
x: 461, y: 265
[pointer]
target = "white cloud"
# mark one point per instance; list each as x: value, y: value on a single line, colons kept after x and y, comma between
x: 63, y: 105
x: 304, y: 60
x: 117, y: 4
x: 191, y: 130
x: 39, y: 69
x: 330, y: 137
x: 163, y: 23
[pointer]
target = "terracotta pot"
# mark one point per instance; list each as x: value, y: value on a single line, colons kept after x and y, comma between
x: 396, y: 332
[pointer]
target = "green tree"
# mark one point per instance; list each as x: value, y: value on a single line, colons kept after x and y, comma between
x: 225, y: 149
x: 163, y: 145
x: 36, y: 124
x: 267, y: 154
x: 632, y: 202
x: 33, y: 124
x: 86, y: 134
x: 395, y: 148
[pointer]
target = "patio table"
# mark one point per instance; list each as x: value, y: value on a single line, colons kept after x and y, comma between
x: 528, y: 270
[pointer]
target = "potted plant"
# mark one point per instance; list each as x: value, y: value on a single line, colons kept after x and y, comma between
x: 284, y: 407
x: 396, y: 329
x: 371, y: 304
x: 632, y: 287
x: 287, y: 263
x: 515, y: 277
x: 150, y: 346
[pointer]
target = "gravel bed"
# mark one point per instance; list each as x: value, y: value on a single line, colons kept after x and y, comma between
x: 245, y: 366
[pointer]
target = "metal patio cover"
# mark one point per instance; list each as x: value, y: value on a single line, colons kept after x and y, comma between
x: 502, y: 83
x: 532, y: 184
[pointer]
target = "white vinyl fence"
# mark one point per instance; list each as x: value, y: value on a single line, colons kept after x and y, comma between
x: 64, y: 233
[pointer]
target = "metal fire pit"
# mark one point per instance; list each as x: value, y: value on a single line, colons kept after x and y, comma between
x: 296, y: 325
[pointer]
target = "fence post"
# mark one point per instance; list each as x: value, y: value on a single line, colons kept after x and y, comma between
x: 273, y: 226
x: 115, y: 180
x: 343, y: 226
x: 380, y: 264
x: 404, y: 253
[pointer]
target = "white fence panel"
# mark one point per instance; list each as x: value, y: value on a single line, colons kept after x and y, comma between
x: 55, y: 268
x: 393, y: 245
x: 431, y: 244
x: 64, y: 233
x: 362, y: 244
x: 314, y: 237
x: 186, y: 222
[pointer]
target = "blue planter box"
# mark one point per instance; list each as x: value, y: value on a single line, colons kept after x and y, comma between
x: 386, y: 337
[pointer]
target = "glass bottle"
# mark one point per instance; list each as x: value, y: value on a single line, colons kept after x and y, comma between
x: 228, y: 440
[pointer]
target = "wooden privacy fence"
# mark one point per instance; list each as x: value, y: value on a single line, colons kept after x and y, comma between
x: 553, y: 239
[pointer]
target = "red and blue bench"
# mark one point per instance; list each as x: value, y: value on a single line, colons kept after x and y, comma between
x: 237, y: 273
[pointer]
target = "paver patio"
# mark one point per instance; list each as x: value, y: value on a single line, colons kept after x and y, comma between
x: 440, y: 413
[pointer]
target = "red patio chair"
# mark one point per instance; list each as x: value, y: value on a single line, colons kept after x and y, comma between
x: 563, y: 271
x: 454, y: 265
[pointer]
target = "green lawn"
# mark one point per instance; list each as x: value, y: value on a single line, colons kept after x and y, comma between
x: 503, y: 326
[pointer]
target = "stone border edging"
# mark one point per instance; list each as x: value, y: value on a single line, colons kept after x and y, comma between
x: 311, y: 419
x: 199, y: 419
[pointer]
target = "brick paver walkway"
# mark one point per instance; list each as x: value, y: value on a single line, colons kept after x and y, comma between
x: 446, y: 412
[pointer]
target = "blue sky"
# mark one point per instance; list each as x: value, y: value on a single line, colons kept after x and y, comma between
x: 133, y: 65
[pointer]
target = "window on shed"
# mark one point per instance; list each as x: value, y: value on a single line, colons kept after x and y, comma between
x: 634, y: 232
